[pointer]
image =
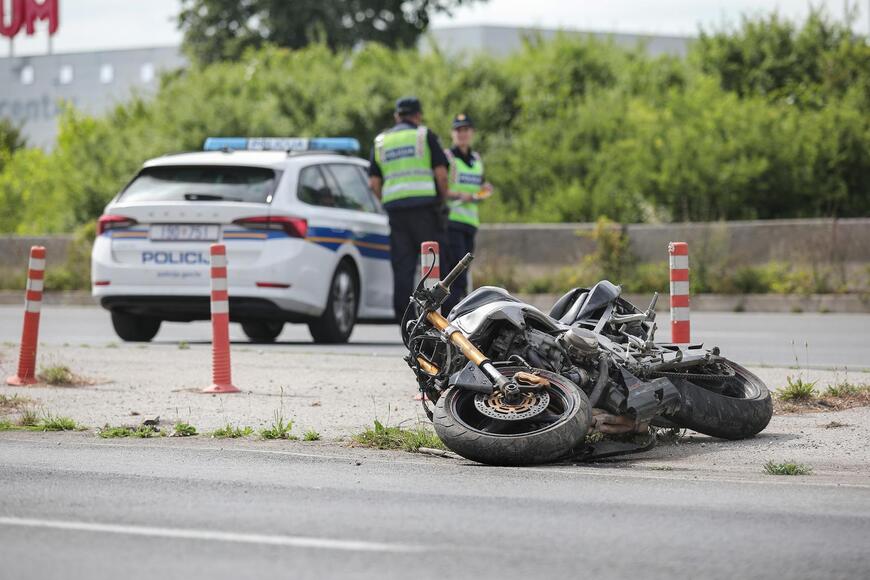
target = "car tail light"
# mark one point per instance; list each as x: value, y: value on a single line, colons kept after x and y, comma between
x: 113, y: 222
x: 293, y: 226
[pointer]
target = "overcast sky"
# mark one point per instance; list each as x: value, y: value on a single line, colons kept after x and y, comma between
x: 106, y: 24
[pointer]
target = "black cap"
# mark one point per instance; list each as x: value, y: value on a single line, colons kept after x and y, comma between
x: 408, y: 106
x: 462, y: 120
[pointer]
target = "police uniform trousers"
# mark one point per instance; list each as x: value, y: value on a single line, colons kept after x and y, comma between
x: 410, y: 227
x: 461, y: 240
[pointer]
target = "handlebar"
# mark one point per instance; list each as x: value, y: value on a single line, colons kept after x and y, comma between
x: 457, y: 270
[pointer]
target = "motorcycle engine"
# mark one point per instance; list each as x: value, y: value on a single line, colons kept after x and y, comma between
x: 581, y: 344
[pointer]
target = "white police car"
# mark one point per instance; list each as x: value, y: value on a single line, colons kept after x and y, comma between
x: 306, y: 239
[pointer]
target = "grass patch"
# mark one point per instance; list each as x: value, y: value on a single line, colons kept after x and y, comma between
x: 845, y: 389
x: 311, y: 435
x: 143, y: 432
x: 14, y: 402
x: 57, y: 423
x: 111, y: 345
x: 6, y: 425
x: 29, y: 417
x: 661, y: 468
x: 183, y: 430
x: 797, y: 390
x: 230, y: 432
x: 183, y: 345
x: 787, y: 468
x: 57, y: 375
x: 279, y: 429
x: 382, y: 437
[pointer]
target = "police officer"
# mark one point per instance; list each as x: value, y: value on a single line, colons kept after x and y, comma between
x: 408, y: 173
x: 466, y: 188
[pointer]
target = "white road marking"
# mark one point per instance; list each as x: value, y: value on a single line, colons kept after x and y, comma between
x: 213, y: 536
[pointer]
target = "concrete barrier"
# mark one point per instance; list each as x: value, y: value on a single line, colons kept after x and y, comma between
x: 535, y: 248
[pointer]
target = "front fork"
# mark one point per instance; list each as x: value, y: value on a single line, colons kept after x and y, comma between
x: 508, y: 387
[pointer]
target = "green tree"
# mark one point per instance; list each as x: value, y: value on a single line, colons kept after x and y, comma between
x: 11, y: 139
x: 223, y: 29
x: 775, y: 58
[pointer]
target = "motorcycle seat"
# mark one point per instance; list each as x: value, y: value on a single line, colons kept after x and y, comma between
x: 567, y: 307
x: 480, y: 297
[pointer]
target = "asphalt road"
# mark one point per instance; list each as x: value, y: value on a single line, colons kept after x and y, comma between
x: 72, y: 507
x: 807, y: 340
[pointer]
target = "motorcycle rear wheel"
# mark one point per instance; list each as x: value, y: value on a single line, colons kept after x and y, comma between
x: 742, y: 407
x: 541, y: 439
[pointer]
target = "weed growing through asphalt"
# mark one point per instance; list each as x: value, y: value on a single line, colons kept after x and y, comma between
x: 57, y: 375
x: 797, y: 390
x: 846, y: 389
x: 661, y: 468
x: 311, y: 435
x: 143, y: 431
x: 29, y: 417
x: 279, y: 429
x: 183, y: 345
x: 183, y: 430
x: 230, y: 432
x: 56, y: 423
x: 787, y: 468
x: 382, y: 437
x: 835, y: 425
x: 111, y: 345
x: 14, y: 402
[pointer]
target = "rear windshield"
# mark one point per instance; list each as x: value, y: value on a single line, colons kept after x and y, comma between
x: 203, y: 183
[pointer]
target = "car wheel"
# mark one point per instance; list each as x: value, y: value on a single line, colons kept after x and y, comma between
x: 262, y: 330
x: 337, y: 321
x: 132, y: 328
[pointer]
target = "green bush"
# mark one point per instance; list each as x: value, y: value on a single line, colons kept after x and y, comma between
x: 766, y: 120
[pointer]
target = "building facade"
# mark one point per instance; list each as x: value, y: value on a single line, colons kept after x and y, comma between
x: 34, y: 89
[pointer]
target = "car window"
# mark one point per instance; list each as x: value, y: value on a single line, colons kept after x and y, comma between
x: 202, y: 183
x: 313, y: 188
x: 354, y: 189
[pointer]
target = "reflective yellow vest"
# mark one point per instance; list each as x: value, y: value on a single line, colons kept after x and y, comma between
x: 465, y: 180
x: 406, y: 164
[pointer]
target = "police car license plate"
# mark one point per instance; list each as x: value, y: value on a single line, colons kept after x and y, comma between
x: 185, y: 232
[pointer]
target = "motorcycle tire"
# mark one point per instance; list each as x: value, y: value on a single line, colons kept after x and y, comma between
x: 721, y: 414
x: 454, y: 420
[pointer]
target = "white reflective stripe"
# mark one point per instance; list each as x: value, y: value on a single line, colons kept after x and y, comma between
x: 35, y: 285
x: 37, y: 263
x: 679, y: 313
x: 680, y: 288
x: 679, y: 262
x: 219, y: 261
x: 218, y: 283
x: 33, y: 306
x: 409, y: 186
x: 409, y: 173
x: 220, y: 307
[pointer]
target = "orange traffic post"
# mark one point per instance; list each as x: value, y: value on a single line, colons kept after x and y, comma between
x: 30, y: 333
x: 222, y: 381
x: 426, y: 263
x: 678, y: 258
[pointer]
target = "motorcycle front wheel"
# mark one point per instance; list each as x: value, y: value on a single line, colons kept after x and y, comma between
x: 729, y: 403
x: 541, y: 438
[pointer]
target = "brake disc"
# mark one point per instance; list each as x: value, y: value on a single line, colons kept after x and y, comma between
x: 533, y: 403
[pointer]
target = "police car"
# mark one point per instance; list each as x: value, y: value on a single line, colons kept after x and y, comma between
x: 306, y: 239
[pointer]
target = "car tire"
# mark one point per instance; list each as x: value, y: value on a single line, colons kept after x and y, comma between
x: 336, y: 323
x: 263, y: 331
x: 133, y: 328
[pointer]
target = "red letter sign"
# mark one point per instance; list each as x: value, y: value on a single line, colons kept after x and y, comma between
x: 25, y: 13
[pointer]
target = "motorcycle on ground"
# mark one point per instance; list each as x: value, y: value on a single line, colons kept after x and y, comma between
x: 512, y: 385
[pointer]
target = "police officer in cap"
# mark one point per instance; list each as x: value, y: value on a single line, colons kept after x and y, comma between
x: 408, y: 173
x: 467, y: 188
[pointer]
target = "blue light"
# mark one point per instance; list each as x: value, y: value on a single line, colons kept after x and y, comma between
x: 344, y: 144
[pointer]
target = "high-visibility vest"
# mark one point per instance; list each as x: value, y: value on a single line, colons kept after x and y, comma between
x: 406, y: 164
x: 465, y: 180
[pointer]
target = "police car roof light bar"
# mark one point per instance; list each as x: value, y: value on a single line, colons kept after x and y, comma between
x: 289, y: 144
